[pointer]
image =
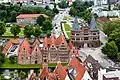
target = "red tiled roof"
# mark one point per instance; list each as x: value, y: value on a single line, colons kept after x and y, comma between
x: 60, y: 70
x: 52, y: 76
x: 70, y: 45
x: 25, y: 44
x: 79, y: 67
x: 9, y: 43
x: 61, y: 39
x: 30, y: 15
x: 44, y: 73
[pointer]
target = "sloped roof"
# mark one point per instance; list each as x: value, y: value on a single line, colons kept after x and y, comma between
x: 9, y: 44
x: 94, y: 62
x: 92, y: 23
x: 70, y: 45
x: 79, y: 67
x: 36, y: 41
x: 25, y: 45
x: 44, y: 73
x: 75, y: 25
x: 61, y: 39
x: 60, y: 70
x: 30, y: 15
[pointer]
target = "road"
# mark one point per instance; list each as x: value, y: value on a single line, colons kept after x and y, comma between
x: 56, y: 21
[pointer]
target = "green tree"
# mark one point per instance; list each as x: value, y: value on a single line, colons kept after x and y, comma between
x: 118, y: 56
x: 73, y: 11
x: 40, y: 20
x: 63, y: 4
x: 15, y: 29
x: 110, y: 49
x: 2, y: 28
x: 3, y: 15
x: 28, y: 31
x: 108, y: 27
x: 37, y: 31
x: 22, y: 75
x: 55, y: 10
x: 12, y: 75
x: 2, y: 58
x: 115, y: 36
x: 12, y: 59
x: 47, y: 25
x: 13, y: 15
x: 47, y: 7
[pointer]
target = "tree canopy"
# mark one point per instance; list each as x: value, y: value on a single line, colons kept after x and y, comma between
x: 79, y: 9
x: 2, y: 28
x: 15, y: 29
x: 28, y: 31
x: 2, y: 58
x: 40, y: 20
x: 63, y: 4
x: 110, y: 49
x: 47, y: 25
x: 37, y: 31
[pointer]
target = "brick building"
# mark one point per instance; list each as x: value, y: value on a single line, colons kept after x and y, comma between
x: 23, y: 19
x: 84, y: 36
x: 51, y: 50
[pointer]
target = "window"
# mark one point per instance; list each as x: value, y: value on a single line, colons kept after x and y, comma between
x: 85, y: 38
x: 94, y: 38
x: 77, y: 34
x: 36, y: 49
x: 73, y: 38
x: 77, y: 38
x: 94, y: 33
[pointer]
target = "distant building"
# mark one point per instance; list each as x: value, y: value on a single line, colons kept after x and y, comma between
x: 23, y: 19
x: 103, y: 74
x: 84, y: 36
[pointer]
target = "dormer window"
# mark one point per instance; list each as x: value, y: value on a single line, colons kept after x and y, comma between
x: 36, y: 49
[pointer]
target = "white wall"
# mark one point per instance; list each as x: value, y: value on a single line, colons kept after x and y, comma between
x: 86, y: 76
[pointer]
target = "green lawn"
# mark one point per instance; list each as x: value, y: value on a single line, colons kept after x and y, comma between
x: 8, y: 65
x: 67, y: 27
x: 67, y: 18
x: 8, y: 33
x: 69, y: 34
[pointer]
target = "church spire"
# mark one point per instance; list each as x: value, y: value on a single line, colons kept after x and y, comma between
x: 92, y: 23
x: 75, y: 25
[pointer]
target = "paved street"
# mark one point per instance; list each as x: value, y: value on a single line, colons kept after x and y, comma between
x: 56, y: 21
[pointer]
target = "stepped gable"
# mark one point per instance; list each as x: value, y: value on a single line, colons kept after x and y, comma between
x: 45, y: 42
x: 60, y: 70
x: 36, y: 41
x: 61, y: 39
x: 79, y: 67
x: 9, y: 44
x: 25, y: 45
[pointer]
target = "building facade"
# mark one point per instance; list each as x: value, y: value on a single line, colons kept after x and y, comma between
x: 23, y: 19
x: 84, y: 36
x: 52, y: 50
